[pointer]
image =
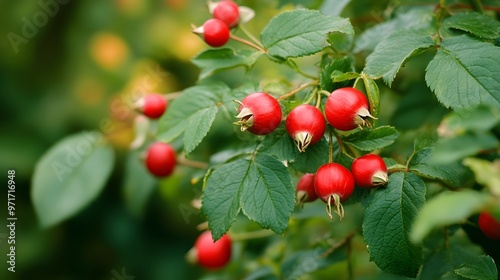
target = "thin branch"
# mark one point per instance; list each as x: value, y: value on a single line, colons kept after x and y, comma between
x: 344, y: 241
x: 248, y: 43
x: 182, y: 160
x: 249, y: 35
x: 330, y: 146
x: 301, y: 87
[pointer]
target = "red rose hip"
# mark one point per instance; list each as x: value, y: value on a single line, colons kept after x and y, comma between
x: 152, y: 105
x: 215, y: 32
x: 160, y: 159
x: 489, y: 226
x: 334, y: 184
x: 210, y: 254
x: 259, y: 113
x: 228, y: 12
x: 306, y: 125
x: 305, y: 189
x: 347, y: 108
x: 369, y: 171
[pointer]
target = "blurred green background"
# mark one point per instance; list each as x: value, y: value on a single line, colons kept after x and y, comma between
x: 77, y: 60
x: 71, y: 66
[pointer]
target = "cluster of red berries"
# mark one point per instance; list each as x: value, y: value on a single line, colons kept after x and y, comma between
x: 216, y: 31
x: 160, y: 161
x: 345, y: 109
x: 160, y: 157
x: 334, y: 184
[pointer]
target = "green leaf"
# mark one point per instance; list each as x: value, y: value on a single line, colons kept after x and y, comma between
x: 453, y: 149
x: 338, y: 76
x: 281, y: 146
x: 486, y: 173
x: 461, y: 73
x: 480, y: 25
x: 372, y: 138
x: 410, y: 19
x: 70, y: 175
x: 334, y: 67
x: 447, y: 173
x: 480, y: 268
x: 212, y: 60
x: 301, y: 32
x: 193, y: 113
x: 138, y: 184
x: 373, y: 94
x: 391, y: 54
x: 340, y: 42
x: 260, y: 187
x: 447, y: 209
x: 441, y: 263
x: 221, y: 196
x: 309, y: 161
x: 388, y: 219
x: 478, y: 119
x: 293, y: 266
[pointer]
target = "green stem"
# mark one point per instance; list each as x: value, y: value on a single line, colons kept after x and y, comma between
x: 342, y: 147
x: 250, y: 35
x: 172, y: 95
x: 250, y: 235
x: 248, y: 43
x: 294, y: 66
x: 182, y: 160
x: 407, y: 166
x: 311, y: 97
x: 356, y: 82
x: 330, y: 145
x: 324, y: 92
x: 301, y: 87
x: 332, y: 249
x: 318, y: 99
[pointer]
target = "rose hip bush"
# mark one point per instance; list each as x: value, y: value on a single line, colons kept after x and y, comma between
x: 413, y: 100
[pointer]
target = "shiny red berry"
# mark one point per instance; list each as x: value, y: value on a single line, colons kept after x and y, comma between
x: 160, y: 159
x: 369, y: 171
x: 259, y: 113
x: 305, y: 189
x: 153, y: 105
x: 489, y: 226
x: 306, y: 125
x: 228, y: 12
x: 210, y: 254
x: 215, y: 32
x: 347, y: 108
x: 334, y: 184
